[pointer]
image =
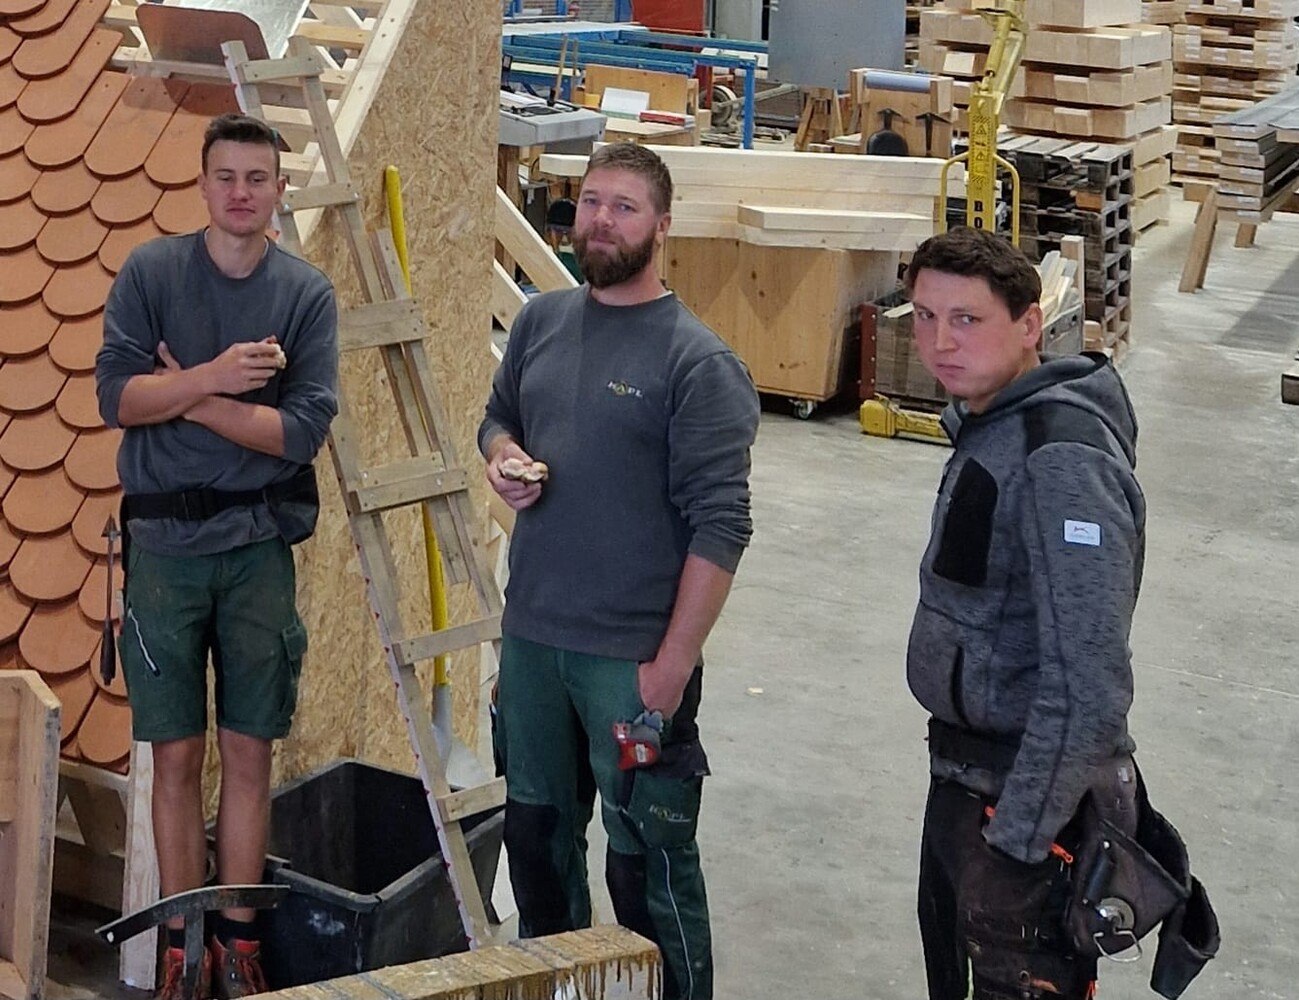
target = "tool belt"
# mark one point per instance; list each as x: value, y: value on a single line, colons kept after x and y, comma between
x: 293, y: 502
x: 1120, y: 885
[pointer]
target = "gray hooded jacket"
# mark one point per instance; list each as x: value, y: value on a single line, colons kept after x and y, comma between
x: 1027, y: 590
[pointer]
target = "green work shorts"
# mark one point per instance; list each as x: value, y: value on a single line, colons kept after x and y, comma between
x: 237, y: 605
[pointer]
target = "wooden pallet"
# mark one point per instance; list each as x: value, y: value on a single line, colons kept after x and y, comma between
x: 430, y: 477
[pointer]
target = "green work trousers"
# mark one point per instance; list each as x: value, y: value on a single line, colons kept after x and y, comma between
x: 554, y: 741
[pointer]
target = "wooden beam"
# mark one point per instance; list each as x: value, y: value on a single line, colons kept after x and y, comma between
x: 333, y: 36
x: 138, y: 958
x: 522, y: 243
x: 1197, y: 258
x: 508, y: 299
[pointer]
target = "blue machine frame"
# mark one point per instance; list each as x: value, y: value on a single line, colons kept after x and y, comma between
x: 616, y: 46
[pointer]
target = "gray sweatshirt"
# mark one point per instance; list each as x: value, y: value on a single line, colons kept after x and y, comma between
x: 645, y: 418
x: 170, y: 290
x: 1027, y: 590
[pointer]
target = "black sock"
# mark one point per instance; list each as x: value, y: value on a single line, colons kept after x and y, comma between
x: 228, y: 930
x: 176, y: 937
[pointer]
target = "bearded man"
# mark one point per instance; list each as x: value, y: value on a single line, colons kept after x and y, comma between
x: 619, y: 428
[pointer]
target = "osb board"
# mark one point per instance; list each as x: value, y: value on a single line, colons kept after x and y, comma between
x: 446, y: 152
x: 782, y: 309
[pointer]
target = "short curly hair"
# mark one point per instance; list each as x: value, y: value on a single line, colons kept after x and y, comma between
x: 638, y: 160
x: 977, y: 253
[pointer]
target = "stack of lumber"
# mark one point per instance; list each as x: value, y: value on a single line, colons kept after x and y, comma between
x: 787, y: 199
x: 1082, y: 189
x: 1227, y: 55
x: 1091, y: 71
x: 1258, y: 167
x: 914, y: 8
x: 1167, y: 12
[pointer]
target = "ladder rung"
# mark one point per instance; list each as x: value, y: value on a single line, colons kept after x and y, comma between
x: 448, y: 640
x: 263, y: 70
x: 471, y: 801
x: 380, y: 324
x: 404, y: 492
x: 320, y: 196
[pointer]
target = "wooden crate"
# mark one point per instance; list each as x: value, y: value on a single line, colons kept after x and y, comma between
x: 29, y: 782
x: 784, y: 310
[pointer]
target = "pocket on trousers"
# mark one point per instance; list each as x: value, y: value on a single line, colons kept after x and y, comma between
x: 664, y: 803
x: 294, y: 642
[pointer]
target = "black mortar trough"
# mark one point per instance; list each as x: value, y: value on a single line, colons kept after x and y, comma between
x: 358, y: 849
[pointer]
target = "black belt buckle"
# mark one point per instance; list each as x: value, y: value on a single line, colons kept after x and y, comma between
x: 196, y: 505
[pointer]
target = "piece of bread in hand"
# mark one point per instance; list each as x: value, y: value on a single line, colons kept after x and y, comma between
x: 516, y: 468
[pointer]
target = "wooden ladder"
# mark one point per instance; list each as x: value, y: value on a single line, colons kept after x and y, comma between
x: 392, y: 323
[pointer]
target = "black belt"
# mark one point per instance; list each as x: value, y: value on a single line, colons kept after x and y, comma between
x: 986, y: 751
x: 202, y: 505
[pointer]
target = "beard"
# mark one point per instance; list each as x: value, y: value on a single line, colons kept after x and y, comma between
x: 602, y: 268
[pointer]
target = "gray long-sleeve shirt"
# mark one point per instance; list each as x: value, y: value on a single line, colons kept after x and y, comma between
x: 170, y: 290
x: 1027, y: 591
x: 645, y: 418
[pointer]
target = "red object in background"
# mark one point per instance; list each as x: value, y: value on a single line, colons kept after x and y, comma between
x: 669, y: 15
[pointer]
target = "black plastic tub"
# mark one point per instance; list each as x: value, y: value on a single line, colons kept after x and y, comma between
x: 357, y: 847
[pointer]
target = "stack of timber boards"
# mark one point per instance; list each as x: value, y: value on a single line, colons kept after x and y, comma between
x: 1259, y: 161
x: 1071, y: 188
x: 1091, y: 71
x: 1228, y: 55
x: 786, y: 199
x: 914, y: 8
x: 1168, y: 12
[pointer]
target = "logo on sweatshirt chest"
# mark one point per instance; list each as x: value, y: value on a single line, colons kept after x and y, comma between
x: 623, y: 388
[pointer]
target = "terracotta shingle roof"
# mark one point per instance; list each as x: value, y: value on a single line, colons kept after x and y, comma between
x: 92, y: 163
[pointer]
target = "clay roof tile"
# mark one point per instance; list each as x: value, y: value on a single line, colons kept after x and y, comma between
x: 47, y: 18
x: 77, y: 405
x: 92, y: 462
x: 17, y: 176
x: 55, y: 97
x: 19, y: 8
x: 181, y: 210
x: 60, y: 143
x: 49, y: 54
x: 134, y: 125
x: 20, y: 221
x: 29, y: 384
x: 57, y: 636
x: 76, y: 342
x: 78, y: 289
x: 27, y: 329
x: 9, y: 542
x: 104, y: 736
x: 121, y: 240
x: 62, y: 190
x: 14, y: 611
x: 75, y: 691
x: 48, y: 568
x: 94, y: 595
x: 14, y: 130
x: 9, y: 42
x: 23, y: 274
x: 31, y: 442
x: 175, y: 159
x: 11, y: 85
x: 42, y: 503
x: 88, y: 525
x: 71, y: 239
x: 124, y: 200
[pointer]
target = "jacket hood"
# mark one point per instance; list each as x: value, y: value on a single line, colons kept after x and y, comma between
x: 1087, y: 381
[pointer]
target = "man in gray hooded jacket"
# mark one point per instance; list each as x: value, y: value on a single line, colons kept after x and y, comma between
x: 1019, y: 647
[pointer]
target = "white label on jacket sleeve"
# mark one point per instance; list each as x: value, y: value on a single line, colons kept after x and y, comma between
x: 1082, y: 533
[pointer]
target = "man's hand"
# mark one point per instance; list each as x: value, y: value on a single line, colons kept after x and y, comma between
x: 662, y: 683
x: 518, y: 494
x: 242, y: 368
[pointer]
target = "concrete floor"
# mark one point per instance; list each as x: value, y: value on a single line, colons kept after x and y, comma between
x: 812, y: 818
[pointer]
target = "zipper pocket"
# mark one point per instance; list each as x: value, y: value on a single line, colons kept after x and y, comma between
x: 958, y: 687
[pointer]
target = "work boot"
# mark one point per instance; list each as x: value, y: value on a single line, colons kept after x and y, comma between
x: 173, y: 977
x: 237, y: 969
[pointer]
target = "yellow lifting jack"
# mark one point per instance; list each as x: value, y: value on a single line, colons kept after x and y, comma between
x: 882, y: 417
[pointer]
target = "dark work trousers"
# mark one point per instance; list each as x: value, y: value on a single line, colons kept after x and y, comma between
x: 554, y: 742
x: 984, y: 912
